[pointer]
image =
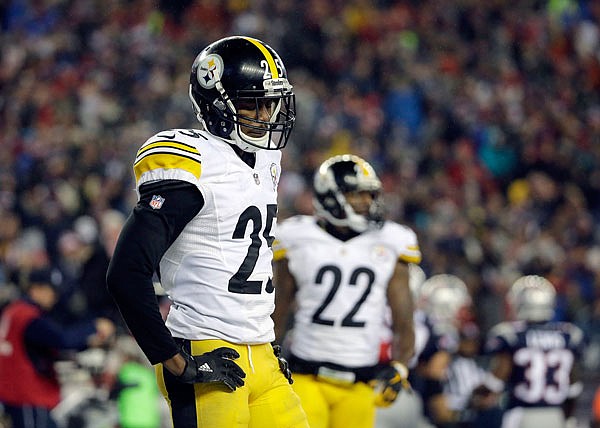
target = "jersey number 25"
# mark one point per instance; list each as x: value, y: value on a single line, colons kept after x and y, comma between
x: 239, y: 282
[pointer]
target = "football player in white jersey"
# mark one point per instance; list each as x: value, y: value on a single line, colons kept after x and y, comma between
x: 203, y: 224
x: 536, y: 357
x: 342, y: 267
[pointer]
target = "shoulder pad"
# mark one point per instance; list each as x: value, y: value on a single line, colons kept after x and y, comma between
x: 286, y: 232
x: 576, y: 335
x: 171, y: 154
x: 404, y: 240
x: 505, y: 331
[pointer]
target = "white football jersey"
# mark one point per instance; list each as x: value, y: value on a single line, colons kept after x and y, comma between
x: 342, y: 287
x: 218, y: 272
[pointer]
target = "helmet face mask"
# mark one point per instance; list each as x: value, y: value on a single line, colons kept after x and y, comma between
x: 333, y: 183
x: 240, y: 93
x: 532, y: 298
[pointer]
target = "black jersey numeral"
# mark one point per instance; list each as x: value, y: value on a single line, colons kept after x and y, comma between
x: 336, y: 276
x: 239, y: 281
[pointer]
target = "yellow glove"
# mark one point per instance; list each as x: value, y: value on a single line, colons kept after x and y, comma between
x: 389, y: 382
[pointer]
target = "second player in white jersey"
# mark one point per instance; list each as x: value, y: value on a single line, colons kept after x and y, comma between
x: 342, y: 288
x: 344, y: 268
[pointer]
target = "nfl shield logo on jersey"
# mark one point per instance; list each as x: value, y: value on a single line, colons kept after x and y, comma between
x: 157, y: 202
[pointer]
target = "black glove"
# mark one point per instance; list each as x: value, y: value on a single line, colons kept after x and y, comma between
x: 214, y: 366
x: 389, y: 382
x: 283, y: 364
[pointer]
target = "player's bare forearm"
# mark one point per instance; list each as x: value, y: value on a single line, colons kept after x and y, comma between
x: 284, y: 296
x: 175, y: 364
x: 404, y: 346
x: 501, y: 366
x: 401, y: 303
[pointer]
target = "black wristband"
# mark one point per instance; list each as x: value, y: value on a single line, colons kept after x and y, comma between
x: 188, y: 375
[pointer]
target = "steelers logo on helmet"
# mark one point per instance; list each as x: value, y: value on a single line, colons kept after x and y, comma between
x: 209, y: 71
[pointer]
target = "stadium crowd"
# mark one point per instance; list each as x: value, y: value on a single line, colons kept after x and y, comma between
x: 483, y: 118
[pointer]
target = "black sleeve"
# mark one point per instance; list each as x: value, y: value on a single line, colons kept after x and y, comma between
x: 146, y: 235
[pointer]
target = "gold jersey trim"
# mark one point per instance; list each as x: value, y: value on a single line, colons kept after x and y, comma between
x: 167, y: 155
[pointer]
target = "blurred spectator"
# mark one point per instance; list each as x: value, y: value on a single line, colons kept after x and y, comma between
x: 29, y: 346
x: 83, y: 256
x: 596, y: 409
x: 92, y: 280
x: 138, y: 397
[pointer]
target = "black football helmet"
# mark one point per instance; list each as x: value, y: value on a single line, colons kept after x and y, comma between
x: 242, y: 71
x: 340, y: 175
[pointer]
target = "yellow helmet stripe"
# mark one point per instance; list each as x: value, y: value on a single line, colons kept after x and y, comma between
x: 268, y: 56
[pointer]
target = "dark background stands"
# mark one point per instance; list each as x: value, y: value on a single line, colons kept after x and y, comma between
x: 484, y: 118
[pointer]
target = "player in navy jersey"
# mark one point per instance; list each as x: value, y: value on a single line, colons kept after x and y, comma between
x: 535, y: 357
x: 203, y: 223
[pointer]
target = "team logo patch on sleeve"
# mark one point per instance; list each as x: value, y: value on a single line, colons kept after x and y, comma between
x: 157, y: 202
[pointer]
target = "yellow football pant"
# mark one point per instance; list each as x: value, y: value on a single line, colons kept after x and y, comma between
x: 266, y: 399
x: 329, y: 405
